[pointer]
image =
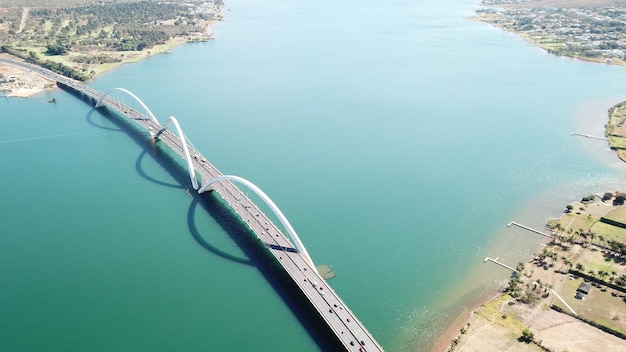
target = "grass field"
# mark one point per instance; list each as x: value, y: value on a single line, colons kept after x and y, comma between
x: 598, y: 306
x: 574, y: 222
x: 609, y: 232
x: 617, y: 214
x: 617, y: 142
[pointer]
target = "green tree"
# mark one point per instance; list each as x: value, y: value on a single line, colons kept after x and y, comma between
x: 527, y: 336
x: 588, y: 198
x: 56, y: 49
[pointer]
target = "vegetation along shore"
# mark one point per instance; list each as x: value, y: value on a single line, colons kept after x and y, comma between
x: 616, y: 131
x: 592, y: 30
x: 80, y: 39
x: 570, y: 296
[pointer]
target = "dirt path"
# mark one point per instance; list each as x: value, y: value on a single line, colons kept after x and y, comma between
x: 24, y: 18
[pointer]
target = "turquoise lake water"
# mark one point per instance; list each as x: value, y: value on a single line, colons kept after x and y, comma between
x: 398, y: 137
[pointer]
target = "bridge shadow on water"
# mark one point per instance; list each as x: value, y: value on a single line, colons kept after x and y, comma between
x: 206, y: 244
x: 91, y: 121
x: 144, y: 174
x: 255, y: 251
x: 260, y: 257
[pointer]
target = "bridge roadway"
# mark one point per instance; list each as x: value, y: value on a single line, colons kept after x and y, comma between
x: 350, y: 332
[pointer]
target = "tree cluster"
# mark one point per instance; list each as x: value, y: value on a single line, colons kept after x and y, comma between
x: 56, y: 49
x: 32, y: 57
x: 618, y: 247
x: 95, y: 59
x: 139, y: 39
x: 121, y: 26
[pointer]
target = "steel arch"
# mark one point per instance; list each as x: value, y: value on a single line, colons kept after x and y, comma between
x: 99, y: 103
x: 181, y: 136
x: 283, y: 219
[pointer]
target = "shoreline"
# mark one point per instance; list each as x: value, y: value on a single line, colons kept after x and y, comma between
x: 588, y: 115
x: 501, y: 321
x: 462, y: 320
x: 450, y: 332
x: 468, y: 313
x: 540, y: 22
x: 19, y: 83
x: 513, y: 246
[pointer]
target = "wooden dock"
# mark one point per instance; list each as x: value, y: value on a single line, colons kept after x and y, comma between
x: 499, y: 263
x: 590, y: 136
x: 529, y: 229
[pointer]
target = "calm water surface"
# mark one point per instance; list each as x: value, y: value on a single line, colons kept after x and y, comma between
x: 398, y: 137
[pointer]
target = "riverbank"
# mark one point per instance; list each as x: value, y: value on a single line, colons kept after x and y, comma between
x: 17, y: 82
x: 582, y: 250
x: 461, y: 322
x: 584, y: 30
x: 615, y: 130
x: 96, y: 56
x: 589, y: 117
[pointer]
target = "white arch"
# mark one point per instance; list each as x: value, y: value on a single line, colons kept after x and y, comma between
x: 290, y: 231
x: 99, y: 103
x: 183, y: 140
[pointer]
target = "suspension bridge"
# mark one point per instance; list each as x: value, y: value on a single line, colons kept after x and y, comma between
x: 287, y: 250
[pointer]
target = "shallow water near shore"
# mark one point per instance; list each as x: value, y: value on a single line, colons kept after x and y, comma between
x: 399, y: 138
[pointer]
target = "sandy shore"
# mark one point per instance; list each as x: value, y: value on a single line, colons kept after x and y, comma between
x: 497, y: 324
x: 443, y: 343
x: 590, y: 117
x: 16, y: 82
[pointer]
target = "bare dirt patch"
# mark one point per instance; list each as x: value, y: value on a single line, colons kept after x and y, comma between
x: 494, y: 331
x: 491, y: 337
x: 561, y: 332
x: 16, y: 82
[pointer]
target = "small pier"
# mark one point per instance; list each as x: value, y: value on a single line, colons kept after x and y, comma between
x: 529, y: 229
x: 590, y: 136
x: 499, y: 263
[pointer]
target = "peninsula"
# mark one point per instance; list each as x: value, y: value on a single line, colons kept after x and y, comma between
x: 82, y: 39
x: 616, y: 129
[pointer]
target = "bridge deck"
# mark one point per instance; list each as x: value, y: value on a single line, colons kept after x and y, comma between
x: 344, y: 324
